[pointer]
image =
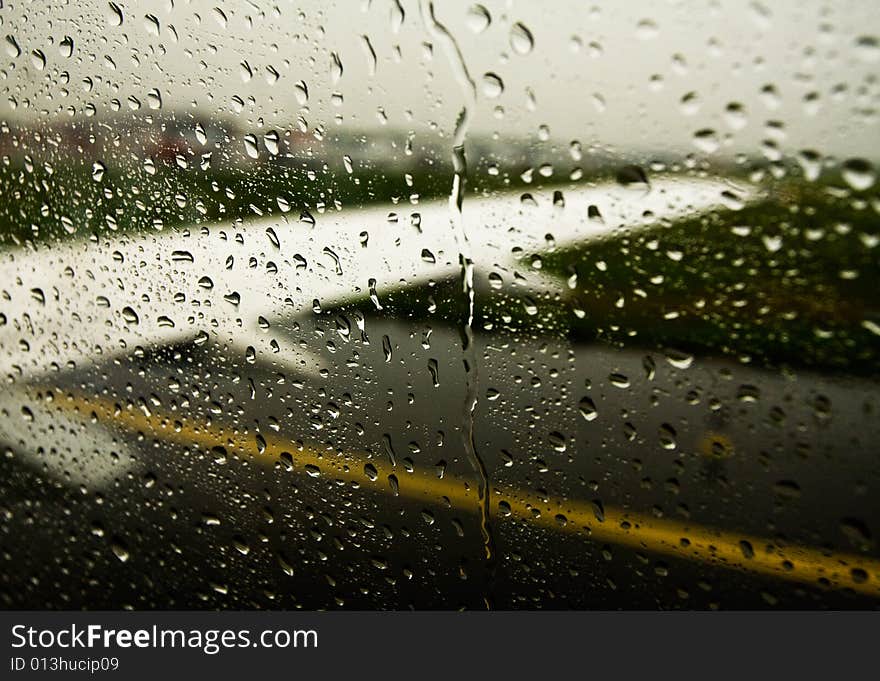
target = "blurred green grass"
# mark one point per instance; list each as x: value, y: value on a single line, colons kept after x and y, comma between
x: 43, y: 205
x: 790, y: 280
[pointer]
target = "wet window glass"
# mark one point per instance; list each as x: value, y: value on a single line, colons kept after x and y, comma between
x: 385, y: 304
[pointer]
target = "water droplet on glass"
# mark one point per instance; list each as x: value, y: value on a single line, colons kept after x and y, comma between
x: 129, y: 315
x: 250, y: 145
x: 12, y: 48
x: 272, y: 142
x: 478, y: 18
x: 301, y: 90
x: 335, y: 67
x: 434, y: 370
x: 521, y: 40
x: 646, y: 29
x: 678, y: 359
x: 858, y: 173
x: 151, y: 25
x: 154, y: 99
x: 245, y: 71
x: 38, y: 59
x: 588, y: 409
x: 619, y: 380
x: 220, y: 17
x: 120, y: 550
x: 706, y: 140
x: 114, y: 14
x: 66, y: 46
x: 868, y: 48
x: 493, y: 86
x: 631, y: 175
x: 735, y: 116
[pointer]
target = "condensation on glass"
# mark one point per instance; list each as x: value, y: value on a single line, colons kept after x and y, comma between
x: 392, y: 304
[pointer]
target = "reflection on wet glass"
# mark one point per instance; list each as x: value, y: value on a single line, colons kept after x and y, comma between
x: 439, y: 305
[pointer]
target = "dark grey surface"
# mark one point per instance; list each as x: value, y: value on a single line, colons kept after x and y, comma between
x: 505, y: 645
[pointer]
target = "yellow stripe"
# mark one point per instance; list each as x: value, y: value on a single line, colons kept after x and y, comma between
x: 638, y: 531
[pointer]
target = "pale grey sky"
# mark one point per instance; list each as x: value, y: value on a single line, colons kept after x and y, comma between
x: 624, y: 74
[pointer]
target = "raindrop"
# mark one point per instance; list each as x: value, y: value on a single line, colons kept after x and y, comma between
x: 182, y: 256
x: 647, y: 29
x: 678, y: 359
x: 858, y: 173
x: 12, y: 48
x: 735, y: 115
x: 478, y: 18
x: 493, y: 86
x: 810, y: 162
x: 557, y: 441
x: 521, y: 40
x: 220, y: 17
x: 154, y: 99
x: 667, y: 436
x: 619, y: 380
x: 129, y: 315
x: 397, y: 16
x: 868, y: 48
x: 151, y: 25
x: 271, y: 140
x: 114, y: 15
x: 370, y: 54
x: 335, y: 67
x: 250, y: 146
x: 706, y: 140
x: 246, y: 71
x: 588, y: 409
x: 301, y: 90
x: 98, y: 170
x: 66, y: 46
x: 120, y: 550
x: 690, y: 103
x: 630, y: 175
x: 38, y: 59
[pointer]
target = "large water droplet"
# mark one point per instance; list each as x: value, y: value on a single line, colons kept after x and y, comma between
x: 250, y: 146
x: 858, y: 173
x: 493, y: 86
x: 521, y: 39
x: 114, y: 14
x: 478, y: 18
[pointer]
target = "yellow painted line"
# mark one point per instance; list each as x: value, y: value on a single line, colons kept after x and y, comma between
x: 674, y: 538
